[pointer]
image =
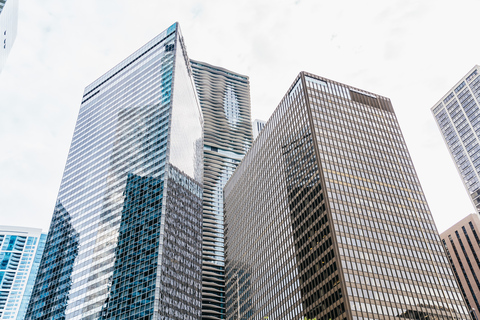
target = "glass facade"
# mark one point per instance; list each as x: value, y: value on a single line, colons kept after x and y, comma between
x: 124, y: 241
x: 20, y: 253
x: 8, y: 28
x: 458, y: 118
x: 325, y: 217
x: 225, y: 100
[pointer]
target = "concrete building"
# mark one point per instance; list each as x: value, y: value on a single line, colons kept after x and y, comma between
x: 462, y: 244
x: 458, y: 116
x: 325, y: 217
x: 224, y: 97
x: 20, y: 253
x: 125, y: 237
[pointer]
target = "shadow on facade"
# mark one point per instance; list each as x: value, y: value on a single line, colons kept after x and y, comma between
x: 132, y: 290
x: 55, y: 271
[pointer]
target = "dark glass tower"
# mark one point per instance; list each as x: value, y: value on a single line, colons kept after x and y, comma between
x: 125, y: 238
x: 325, y: 217
x: 225, y: 100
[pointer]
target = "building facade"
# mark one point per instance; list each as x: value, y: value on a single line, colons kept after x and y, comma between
x: 458, y: 117
x: 225, y: 100
x: 8, y: 28
x: 257, y: 126
x: 125, y: 237
x: 20, y: 253
x: 462, y: 244
x: 325, y: 217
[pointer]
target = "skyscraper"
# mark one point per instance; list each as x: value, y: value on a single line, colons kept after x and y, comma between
x: 8, y: 28
x: 258, y: 126
x: 325, y: 217
x: 225, y: 100
x: 20, y: 253
x: 125, y: 237
x: 462, y: 244
x: 458, y: 116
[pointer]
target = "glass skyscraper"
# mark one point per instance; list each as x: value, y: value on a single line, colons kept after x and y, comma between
x: 8, y: 28
x: 458, y: 116
x: 20, y: 253
x: 125, y: 237
x: 325, y: 217
x: 225, y: 100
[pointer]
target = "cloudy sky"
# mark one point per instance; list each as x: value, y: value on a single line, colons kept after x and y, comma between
x: 410, y: 51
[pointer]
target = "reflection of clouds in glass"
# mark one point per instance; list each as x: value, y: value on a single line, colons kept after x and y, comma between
x: 55, y: 280
x: 186, y: 122
x: 128, y: 126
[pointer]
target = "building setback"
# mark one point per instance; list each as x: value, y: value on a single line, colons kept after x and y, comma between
x: 125, y: 237
x: 20, y: 253
x: 458, y: 117
x: 462, y: 244
x: 8, y: 28
x: 224, y: 97
x: 325, y: 217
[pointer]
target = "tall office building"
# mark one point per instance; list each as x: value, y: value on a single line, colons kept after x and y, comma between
x: 225, y: 100
x: 462, y: 244
x: 257, y: 126
x: 125, y: 237
x: 20, y: 253
x: 325, y: 217
x: 458, y: 116
x: 8, y: 28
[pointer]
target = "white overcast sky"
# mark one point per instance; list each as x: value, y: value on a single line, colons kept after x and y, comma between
x: 410, y: 51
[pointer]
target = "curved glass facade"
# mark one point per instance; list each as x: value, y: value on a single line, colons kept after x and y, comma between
x: 225, y: 100
x: 124, y: 239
